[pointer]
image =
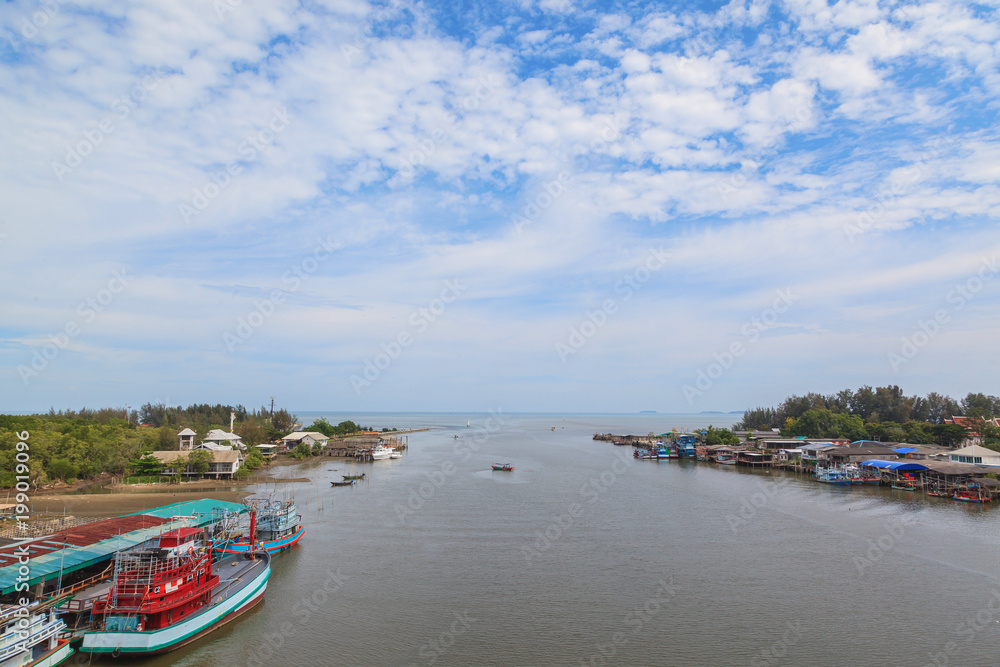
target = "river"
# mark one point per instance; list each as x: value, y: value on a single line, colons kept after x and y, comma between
x: 584, y: 556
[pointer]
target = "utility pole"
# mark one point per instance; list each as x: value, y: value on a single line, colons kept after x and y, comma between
x: 272, y: 407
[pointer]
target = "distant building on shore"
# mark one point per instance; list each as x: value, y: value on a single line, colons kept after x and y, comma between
x: 310, y: 438
x: 224, y: 463
x: 975, y: 454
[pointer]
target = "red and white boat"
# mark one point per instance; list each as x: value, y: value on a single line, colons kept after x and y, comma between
x: 170, y: 594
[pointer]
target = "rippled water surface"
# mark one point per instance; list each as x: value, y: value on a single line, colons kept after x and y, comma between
x: 584, y: 556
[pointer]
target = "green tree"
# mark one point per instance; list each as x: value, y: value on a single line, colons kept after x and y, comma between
x: 321, y: 425
x: 62, y: 469
x: 200, y: 461
x: 949, y: 435
x: 720, y: 436
x: 254, y: 460
x: 147, y: 465
x: 758, y: 419
x: 301, y: 451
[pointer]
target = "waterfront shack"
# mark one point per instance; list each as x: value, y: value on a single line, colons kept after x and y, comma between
x: 852, y: 454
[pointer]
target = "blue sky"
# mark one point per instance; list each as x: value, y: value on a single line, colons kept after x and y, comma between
x: 538, y: 206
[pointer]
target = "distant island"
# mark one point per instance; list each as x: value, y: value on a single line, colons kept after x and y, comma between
x: 715, y: 412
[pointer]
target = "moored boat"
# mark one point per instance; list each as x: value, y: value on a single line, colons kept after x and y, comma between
x: 725, y: 459
x: 274, y: 526
x: 380, y: 452
x: 349, y: 482
x: 170, y: 593
x: 503, y: 466
x: 970, y: 496
x: 348, y: 478
x: 30, y: 638
x: 835, y: 476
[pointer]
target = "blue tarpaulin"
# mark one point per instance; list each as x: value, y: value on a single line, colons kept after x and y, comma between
x: 894, y: 465
x: 906, y: 450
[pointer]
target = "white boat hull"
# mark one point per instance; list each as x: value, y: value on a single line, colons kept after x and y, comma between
x: 185, y: 632
x: 56, y: 657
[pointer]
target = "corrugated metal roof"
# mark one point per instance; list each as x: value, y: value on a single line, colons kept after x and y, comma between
x: 90, y: 544
x: 894, y: 465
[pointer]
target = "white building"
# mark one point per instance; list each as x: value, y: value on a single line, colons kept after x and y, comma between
x: 219, y: 437
x: 309, y: 437
x: 224, y: 463
x: 186, y: 438
x: 975, y: 454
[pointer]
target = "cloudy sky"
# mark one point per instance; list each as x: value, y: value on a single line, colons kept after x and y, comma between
x: 538, y: 206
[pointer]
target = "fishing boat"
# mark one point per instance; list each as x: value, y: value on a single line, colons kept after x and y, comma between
x: 348, y: 478
x: 834, y: 476
x: 349, y: 482
x: 503, y: 466
x: 686, y: 445
x: 169, y: 593
x: 725, y: 459
x: 620, y: 443
x: 940, y: 493
x: 276, y: 525
x: 648, y: 454
x: 904, y: 486
x: 380, y: 452
x: 395, y: 454
x: 30, y: 637
x: 970, y: 496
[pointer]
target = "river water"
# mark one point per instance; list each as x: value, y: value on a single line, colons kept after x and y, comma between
x: 584, y: 556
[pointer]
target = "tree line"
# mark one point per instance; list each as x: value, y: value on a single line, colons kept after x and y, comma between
x: 882, y: 413
x: 85, y: 444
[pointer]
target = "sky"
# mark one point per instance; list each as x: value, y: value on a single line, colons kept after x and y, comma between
x: 548, y: 206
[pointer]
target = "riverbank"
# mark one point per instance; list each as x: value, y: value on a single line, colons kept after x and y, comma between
x: 117, y: 504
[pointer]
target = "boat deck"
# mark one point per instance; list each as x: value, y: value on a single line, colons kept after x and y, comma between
x: 234, y: 573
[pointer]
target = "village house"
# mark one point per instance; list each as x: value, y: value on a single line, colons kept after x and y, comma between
x: 973, y: 437
x: 268, y: 451
x: 219, y: 437
x: 186, y: 438
x: 852, y: 454
x: 975, y: 454
x: 308, y: 437
x: 223, y: 464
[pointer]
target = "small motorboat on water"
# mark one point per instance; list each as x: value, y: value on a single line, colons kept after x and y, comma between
x: 348, y: 478
x: 503, y: 466
x: 347, y: 483
x: 970, y: 496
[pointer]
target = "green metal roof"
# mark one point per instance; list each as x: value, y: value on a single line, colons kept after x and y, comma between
x: 204, y: 509
x: 46, y: 566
